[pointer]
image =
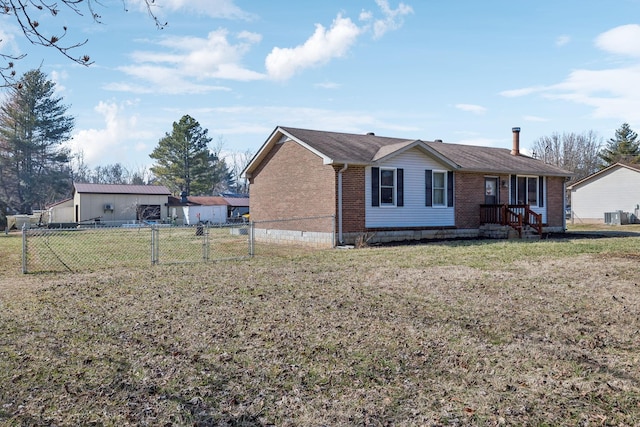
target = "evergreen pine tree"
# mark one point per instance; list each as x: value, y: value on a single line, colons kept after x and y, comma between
x: 34, y: 167
x: 623, y: 148
x: 183, y: 160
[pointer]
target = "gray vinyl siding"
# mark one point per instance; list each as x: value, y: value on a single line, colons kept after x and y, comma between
x: 414, y: 213
x: 615, y: 190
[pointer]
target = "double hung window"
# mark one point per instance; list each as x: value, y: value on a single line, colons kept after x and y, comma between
x: 387, y: 186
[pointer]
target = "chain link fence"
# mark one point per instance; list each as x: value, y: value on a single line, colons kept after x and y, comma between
x: 131, y: 245
x: 99, y: 246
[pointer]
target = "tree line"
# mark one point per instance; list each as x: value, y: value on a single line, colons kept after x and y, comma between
x: 37, y: 169
x: 586, y: 153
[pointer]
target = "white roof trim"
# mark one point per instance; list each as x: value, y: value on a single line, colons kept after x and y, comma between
x: 600, y: 172
x: 391, y: 151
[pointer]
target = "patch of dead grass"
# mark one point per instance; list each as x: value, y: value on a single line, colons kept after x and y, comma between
x: 466, y: 334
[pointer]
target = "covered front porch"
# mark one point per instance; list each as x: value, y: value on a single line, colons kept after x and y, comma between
x: 518, y: 217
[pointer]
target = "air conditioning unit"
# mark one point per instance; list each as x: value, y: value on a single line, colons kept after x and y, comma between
x: 108, y: 207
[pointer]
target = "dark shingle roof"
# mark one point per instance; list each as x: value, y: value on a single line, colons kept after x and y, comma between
x: 161, y: 190
x: 341, y: 148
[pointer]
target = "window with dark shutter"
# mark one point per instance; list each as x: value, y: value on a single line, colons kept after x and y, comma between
x: 375, y: 186
x: 428, y: 185
x: 450, y: 189
x: 400, y: 188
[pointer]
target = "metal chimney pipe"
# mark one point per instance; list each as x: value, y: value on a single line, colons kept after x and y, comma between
x: 515, y: 151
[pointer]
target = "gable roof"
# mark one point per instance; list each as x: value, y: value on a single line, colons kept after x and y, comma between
x: 635, y: 168
x: 159, y: 190
x: 368, y: 149
x: 59, y: 202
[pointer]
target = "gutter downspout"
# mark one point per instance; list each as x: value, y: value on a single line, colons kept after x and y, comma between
x: 564, y: 206
x: 344, y: 168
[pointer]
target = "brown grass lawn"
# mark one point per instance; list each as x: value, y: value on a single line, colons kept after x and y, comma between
x: 449, y: 333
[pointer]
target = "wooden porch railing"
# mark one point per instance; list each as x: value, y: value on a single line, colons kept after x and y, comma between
x: 515, y: 216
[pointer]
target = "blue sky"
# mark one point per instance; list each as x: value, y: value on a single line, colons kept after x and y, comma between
x: 464, y: 71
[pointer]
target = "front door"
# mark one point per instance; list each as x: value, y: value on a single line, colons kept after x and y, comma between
x: 491, y: 191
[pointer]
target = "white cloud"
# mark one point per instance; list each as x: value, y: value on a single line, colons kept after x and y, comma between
x: 58, y: 77
x: 562, y: 40
x: 472, y: 108
x: 623, y: 40
x: 393, y: 18
x: 513, y: 93
x: 117, y: 142
x: 328, y: 85
x: 8, y: 31
x: 213, y: 8
x: 322, y: 46
x: 611, y: 93
x: 185, y: 59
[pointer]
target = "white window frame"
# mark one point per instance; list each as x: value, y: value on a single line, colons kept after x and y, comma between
x: 394, y: 187
x: 444, y: 189
x: 537, y: 192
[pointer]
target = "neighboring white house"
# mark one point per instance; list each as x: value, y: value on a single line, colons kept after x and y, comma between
x: 206, y: 209
x: 60, y: 212
x: 612, y: 190
x: 116, y: 204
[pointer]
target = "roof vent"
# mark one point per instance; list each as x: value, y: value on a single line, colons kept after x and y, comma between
x: 371, y: 134
x: 437, y: 140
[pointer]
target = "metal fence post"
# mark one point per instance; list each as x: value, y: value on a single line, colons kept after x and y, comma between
x: 205, y: 244
x: 251, y: 235
x: 154, y: 245
x: 24, y: 248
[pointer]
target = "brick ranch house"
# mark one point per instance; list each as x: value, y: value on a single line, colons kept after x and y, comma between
x: 393, y: 189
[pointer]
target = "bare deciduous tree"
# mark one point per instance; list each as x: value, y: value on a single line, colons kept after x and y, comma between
x: 575, y: 152
x: 26, y: 12
x: 239, y: 161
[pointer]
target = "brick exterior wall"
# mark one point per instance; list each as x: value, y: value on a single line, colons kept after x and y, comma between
x: 469, y: 195
x: 292, y: 182
x: 353, y: 203
x: 555, y: 201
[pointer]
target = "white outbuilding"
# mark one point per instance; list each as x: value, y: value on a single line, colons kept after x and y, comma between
x: 611, y: 195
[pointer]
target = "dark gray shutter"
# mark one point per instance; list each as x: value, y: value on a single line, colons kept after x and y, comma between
x: 450, y: 189
x: 400, y: 187
x: 541, y: 191
x: 428, y: 185
x: 375, y: 186
x: 514, y: 190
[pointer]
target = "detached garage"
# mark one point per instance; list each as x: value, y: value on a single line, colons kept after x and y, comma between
x: 115, y: 204
x: 610, y: 194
